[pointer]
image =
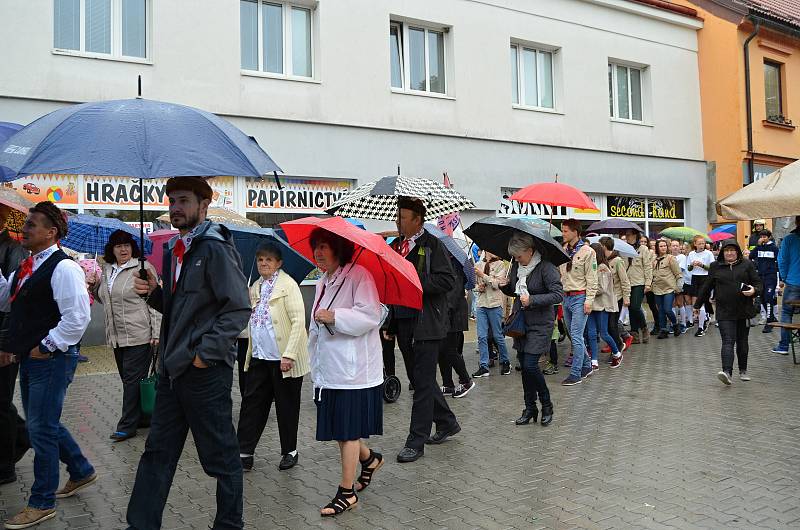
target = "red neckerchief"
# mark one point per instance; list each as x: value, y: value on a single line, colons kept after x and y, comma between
x: 23, y: 272
x: 178, y: 251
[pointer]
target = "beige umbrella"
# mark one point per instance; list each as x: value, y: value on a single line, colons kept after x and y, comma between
x: 776, y: 195
x: 221, y: 215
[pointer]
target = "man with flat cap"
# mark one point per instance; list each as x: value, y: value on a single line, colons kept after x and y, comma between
x: 205, y: 305
x: 420, y: 332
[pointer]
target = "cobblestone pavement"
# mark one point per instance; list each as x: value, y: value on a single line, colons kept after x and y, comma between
x: 658, y: 443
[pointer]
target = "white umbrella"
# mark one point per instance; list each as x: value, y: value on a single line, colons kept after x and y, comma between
x: 623, y: 248
x: 776, y: 195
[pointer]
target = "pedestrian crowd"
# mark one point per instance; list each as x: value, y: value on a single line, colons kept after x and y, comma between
x: 201, y: 319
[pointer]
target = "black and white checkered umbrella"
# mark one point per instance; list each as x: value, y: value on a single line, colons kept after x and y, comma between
x: 378, y: 200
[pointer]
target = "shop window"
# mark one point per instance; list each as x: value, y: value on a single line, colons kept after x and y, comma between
x: 625, y: 92
x: 102, y: 28
x: 418, y: 58
x: 531, y: 77
x: 276, y: 38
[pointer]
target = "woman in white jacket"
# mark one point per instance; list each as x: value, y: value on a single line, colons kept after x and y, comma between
x: 346, y: 363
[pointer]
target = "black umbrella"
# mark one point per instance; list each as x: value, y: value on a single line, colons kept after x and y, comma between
x: 494, y: 233
x: 614, y: 226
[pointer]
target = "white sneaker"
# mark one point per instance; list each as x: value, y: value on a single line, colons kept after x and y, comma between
x: 762, y: 321
x: 724, y: 377
x: 743, y: 376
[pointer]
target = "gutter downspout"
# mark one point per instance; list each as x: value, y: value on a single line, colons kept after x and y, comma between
x: 748, y: 102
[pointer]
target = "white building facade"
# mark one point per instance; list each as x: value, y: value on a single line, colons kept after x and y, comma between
x: 498, y: 93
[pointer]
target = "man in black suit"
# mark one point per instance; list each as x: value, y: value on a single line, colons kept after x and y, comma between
x: 422, y: 331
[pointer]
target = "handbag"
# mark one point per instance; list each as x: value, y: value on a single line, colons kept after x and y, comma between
x: 147, y: 386
x: 514, y: 324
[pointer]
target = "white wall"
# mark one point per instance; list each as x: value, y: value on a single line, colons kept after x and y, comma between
x: 196, y: 57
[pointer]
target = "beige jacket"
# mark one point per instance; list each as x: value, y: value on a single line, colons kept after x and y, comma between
x: 583, y: 276
x: 622, y: 284
x: 605, y: 300
x: 666, y: 273
x: 640, y: 269
x: 288, y: 315
x: 491, y: 296
x: 129, y: 320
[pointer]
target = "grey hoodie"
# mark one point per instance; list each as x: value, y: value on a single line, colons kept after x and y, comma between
x: 210, y: 305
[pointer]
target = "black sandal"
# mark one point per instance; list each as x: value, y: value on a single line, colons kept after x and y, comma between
x: 339, y: 504
x: 367, y: 472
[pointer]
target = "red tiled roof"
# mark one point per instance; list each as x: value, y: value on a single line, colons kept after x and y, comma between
x: 784, y: 10
x: 669, y: 6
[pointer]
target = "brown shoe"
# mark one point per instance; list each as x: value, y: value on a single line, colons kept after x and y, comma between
x: 29, y: 517
x: 645, y: 336
x: 636, y: 339
x: 71, y: 488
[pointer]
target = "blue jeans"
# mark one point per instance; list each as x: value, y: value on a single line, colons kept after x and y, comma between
x: 790, y: 292
x: 664, y: 303
x: 490, y: 319
x: 576, y: 322
x: 597, y: 324
x: 43, y: 385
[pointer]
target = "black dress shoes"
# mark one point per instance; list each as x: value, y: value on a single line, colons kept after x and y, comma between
x: 288, y: 461
x: 409, y: 455
x: 440, y: 436
x: 527, y: 416
x: 8, y: 478
x: 547, y: 414
x: 247, y: 463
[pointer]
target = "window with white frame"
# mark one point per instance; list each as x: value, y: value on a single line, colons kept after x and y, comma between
x: 115, y: 28
x: 417, y: 56
x: 531, y: 77
x: 276, y: 38
x: 625, y: 92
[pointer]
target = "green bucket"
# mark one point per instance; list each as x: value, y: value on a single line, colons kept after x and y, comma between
x: 147, y: 393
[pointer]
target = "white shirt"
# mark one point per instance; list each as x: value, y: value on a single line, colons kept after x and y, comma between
x: 412, y: 241
x: 112, y: 274
x: 187, y: 242
x: 683, y: 264
x: 69, y: 292
x: 262, y: 334
x: 705, y: 256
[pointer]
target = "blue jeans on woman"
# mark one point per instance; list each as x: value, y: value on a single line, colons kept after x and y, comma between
x: 598, y: 326
x: 43, y: 385
x: 576, y: 322
x: 664, y: 303
x: 790, y: 292
x: 490, y: 319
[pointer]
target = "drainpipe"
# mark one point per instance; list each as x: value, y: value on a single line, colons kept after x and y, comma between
x: 748, y: 102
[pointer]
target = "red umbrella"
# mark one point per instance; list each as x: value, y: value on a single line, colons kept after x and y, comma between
x: 721, y: 236
x: 395, y: 277
x: 159, y: 237
x: 554, y: 194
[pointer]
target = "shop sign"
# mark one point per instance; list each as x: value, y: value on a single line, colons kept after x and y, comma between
x: 665, y: 209
x: 123, y: 193
x: 509, y: 208
x: 624, y: 206
x: 59, y: 189
x: 296, y: 194
x: 148, y: 226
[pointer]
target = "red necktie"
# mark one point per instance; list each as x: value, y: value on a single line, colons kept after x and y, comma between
x: 177, y: 252
x: 25, y: 270
x: 405, y: 247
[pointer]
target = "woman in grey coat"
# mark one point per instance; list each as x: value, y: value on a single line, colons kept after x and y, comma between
x: 536, y: 287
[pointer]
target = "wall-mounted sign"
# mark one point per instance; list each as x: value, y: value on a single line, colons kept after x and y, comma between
x: 59, y: 189
x: 624, y: 206
x: 665, y: 209
x: 509, y: 208
x: 297, y: 194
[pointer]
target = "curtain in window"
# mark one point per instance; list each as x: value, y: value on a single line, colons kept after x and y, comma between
x: 514, y: 76
x: 67, y: 24
x: 272, y: 24
x: 396, y: 56
x: 98, y: 26
x: 134, y: 28
x: 436, y: 75
x: 248, y: 33
x: 301, y: 42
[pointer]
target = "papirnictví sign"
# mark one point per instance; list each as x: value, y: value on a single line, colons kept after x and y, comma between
x: 296, y: 194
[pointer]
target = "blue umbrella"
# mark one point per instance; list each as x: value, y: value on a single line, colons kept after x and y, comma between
x: 89, y: 233
x: 728, y: 228
x: 460, y: 258
x: 623, y: 248
x: 248, y: 240
x: 7, y: 129
x: 355, y: 222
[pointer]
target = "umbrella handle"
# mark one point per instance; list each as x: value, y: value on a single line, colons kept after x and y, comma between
x: 143, y: 274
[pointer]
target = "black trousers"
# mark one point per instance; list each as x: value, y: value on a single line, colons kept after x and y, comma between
x: 388, y: 354
x: 651, y: 303
x: 735, y: 334
x: 133, y: 364
x: 533, y: 382
x: 199, y: 400
x: 429, y: 405
x: 241, y: 357
x: 405, y: 341
x: 613, y: 328
x: 265, y: 384
x: 553, y: 353
x: 13, y: 432
x: 451, y: 356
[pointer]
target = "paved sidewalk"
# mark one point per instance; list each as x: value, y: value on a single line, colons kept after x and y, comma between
x: 657, y: 443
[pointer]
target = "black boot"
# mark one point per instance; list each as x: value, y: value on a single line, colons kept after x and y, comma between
x: 676, y: 330
x: 547, y: 414
x: 527, y: 415
x: 663, y: 334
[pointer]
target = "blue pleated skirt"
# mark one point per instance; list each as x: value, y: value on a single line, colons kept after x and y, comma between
x: 345, y: 415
